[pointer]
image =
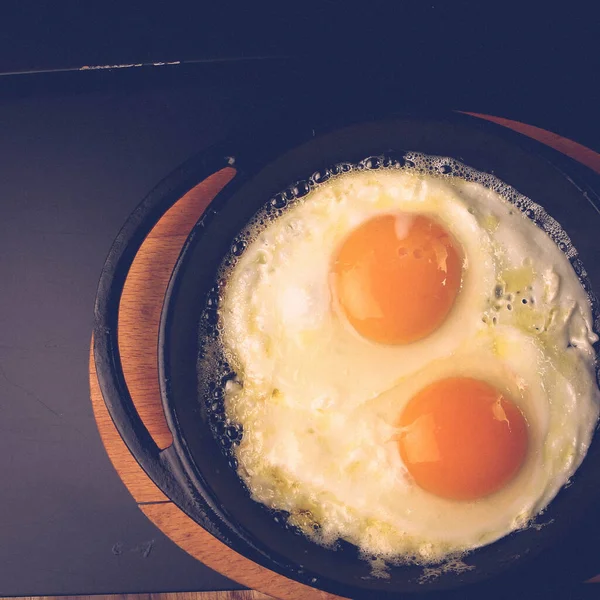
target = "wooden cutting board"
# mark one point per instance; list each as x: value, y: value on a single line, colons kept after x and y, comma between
x: 139, y: 317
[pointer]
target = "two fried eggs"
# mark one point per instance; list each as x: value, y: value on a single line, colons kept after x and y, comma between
x: 414, y: 364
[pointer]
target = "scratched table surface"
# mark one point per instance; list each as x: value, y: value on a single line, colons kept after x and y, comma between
x: 78, y: 152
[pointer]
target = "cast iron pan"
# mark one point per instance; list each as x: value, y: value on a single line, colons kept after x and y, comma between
x: 198, y: 473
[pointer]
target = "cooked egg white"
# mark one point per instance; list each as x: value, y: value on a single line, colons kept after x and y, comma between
x: 277, y: 312
x: 319, y: 403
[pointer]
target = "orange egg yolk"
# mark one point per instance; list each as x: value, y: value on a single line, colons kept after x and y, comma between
x: 396, y: 277
x: 462, y: 439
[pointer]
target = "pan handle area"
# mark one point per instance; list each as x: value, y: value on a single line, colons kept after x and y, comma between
x: 161, y: 465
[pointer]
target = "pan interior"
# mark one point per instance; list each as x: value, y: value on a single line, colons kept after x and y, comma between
x: 214, y: 368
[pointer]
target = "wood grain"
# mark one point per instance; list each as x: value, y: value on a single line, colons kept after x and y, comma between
x: 139, y: 315
x: 142, y: 299
x: 233, y: 595
x: 574, y: 150
x: 206, y: 548
x: 133, y: 476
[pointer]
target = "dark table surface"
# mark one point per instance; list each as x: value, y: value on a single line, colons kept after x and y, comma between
x: 73, y: 168
x: 78, y: 151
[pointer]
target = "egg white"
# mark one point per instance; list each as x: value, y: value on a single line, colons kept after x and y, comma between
x: 318, y: 402
x: 278, y: 314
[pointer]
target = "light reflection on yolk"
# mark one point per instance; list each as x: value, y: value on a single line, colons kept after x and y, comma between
x: 396, y: 277
x: 462, y: 439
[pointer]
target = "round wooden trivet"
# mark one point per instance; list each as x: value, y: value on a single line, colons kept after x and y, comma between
x: 139, y: 316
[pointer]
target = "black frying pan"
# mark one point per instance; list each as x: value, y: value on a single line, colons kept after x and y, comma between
x: 198, y: 472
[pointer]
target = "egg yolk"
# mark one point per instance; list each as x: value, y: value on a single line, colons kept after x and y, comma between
x: 462, y: 439
x: 396, y: 277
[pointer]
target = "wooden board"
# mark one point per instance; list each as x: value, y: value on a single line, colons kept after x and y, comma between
x: 234, y: 595
x: 138, y: 338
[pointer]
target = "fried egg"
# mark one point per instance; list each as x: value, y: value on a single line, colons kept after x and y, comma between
x: 414, y: 364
